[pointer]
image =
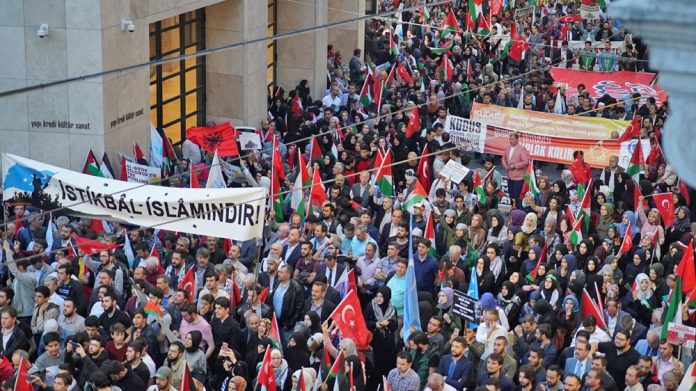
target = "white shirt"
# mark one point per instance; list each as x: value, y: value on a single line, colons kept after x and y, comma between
x: 334, y: 102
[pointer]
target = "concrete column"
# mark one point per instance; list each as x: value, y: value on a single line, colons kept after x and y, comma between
x: 669, y: 29
x: 236, y: 79
x: 346, y: 37
x: 302, y: 56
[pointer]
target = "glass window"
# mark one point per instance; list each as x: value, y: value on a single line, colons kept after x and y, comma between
x: 177, y: 89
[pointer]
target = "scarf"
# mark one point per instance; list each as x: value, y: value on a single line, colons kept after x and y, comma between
x: 383, y: 315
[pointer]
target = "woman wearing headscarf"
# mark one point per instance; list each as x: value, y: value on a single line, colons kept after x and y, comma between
x: 682, y: 225
x: 528, y: 227
x: 650, y: 224
x: 313, y: 322
x: 281, y: 371
x: 568, y: 318
x: 673, y: 256
x: 565, y: 268
x: 445, y: 310
x: 486, y: 280
x: 497, y: 231
x: 476, y: 232
x: 194, y: 356
x: 556, y: 255
x: 582, y: 252
x: 380, y: 317
x: 560, y: 190
x: 351, y: 364
x: 529, y: 264
x: 309, y: 376
x: 642, y: 301
x: 551, y: 238
x: 297, y: 352
x: 629, y: 220
x: 510, y: 302
x: 606, y: 218
x: 549, y: 291
x: 636, y: 267
x: 656, y: 274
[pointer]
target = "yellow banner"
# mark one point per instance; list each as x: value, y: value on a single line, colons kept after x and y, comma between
x: 546, y: 124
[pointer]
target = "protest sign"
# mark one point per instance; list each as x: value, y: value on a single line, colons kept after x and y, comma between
x: 249, y: 141
x: 541, y: 147
x: 454, y: 171
x: 227, y: 213
x: 678, y: 334
x: 619, y: 85
x: 466, y: 306
x: 590, y: 11
x: 141, y: 173
x: 547, y: 124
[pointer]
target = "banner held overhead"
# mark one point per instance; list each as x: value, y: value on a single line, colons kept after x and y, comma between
x: 228, y: 213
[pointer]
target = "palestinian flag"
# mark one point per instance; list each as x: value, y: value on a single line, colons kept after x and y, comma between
x: 278, y: 174
x: 446, y: 69
x: 106, y: 168
x: 337, y: 372
x: 478, y: 188
x: 516, y: 46
x: 316, y: 155
x: 484, y: 26
x: 417, y: 195
x: 636, y: 167
x: 530, y: 180
x: 151, y: 308
x: 425, y: 12
x: 576, y: 234
x: 589, y: 307
x: 274, y: 334
x: 297, y: 202
x: 383, y: 179
x: 441, y: 275
x: 570, y: 214
x: 585, y: 205
x: 450, y: 25
x: 91, y: 166
x: 475, y: 9
x: 365, y: 91
x: 674, y: 308
x: 393, y: 49
x: 429, y: 234
x: 442, y: 49
x: 138, y: 153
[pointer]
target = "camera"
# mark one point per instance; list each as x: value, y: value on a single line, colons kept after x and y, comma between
x: 42, y: 31
x: 127, y: 25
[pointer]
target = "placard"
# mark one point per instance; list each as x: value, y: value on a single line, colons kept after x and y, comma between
x: 142, y: 174
x: 678, y: 334
x: 249, y: 141
x: 454, y: 171
x: 590, y: 11
x: 466, y: 306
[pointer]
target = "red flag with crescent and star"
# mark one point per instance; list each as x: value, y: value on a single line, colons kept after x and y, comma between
x: 350, y: 321
x: 665, y: 205
x: 188, y: 284
x: 266, y: 377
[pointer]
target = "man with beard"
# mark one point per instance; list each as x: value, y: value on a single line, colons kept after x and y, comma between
x: 134, y: 361
x: 177, y: 269
x: 122, y: 376
x: 175, y: 361
x: 455, y: 366
x: 91, y: 359
x: 111, y: 313
x: 619, y: 355
x: 163, y: 380
x: 64, y: 240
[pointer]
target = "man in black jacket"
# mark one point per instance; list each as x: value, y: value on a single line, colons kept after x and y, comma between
x: 287, y: 301
x: 17, y: 339
x: 122, y: 376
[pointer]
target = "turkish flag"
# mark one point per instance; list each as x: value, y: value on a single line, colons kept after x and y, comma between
x: 665, y: 204
x: 188, y: 283
x: 627, y: 241
x: 589, y: 307
x: 222, y: 138
x: 423, y: 171
x: 266, y: 376
x: 350, y: 321
x: 90, y: 246
x: 22, y: 384
x: 687, y: 269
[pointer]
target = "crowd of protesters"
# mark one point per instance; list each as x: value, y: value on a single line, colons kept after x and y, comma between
x: 78, y: 321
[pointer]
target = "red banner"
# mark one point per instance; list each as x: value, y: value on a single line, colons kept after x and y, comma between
x: 618, y: 85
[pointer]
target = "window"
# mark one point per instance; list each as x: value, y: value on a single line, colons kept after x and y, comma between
x: 177, y: 89
x: 271, y: 51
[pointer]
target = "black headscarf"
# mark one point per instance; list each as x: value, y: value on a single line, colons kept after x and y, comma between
x: 386, y: 294
x: 358, y: 382
x: 196, y: 338
x: 316, y: 322
x: 297, y: 356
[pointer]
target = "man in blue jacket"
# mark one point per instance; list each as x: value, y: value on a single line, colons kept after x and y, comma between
x: 455, y: 367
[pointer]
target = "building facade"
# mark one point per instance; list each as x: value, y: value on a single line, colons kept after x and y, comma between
x: 52, y: 40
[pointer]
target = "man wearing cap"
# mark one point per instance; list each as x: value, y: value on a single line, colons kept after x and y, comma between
x: 163, y: 381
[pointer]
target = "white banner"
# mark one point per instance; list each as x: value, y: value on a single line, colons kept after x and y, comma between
x: 469, y: 135
x: 141, y: 173
x: 590, y: 11
x: 227, y: 213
